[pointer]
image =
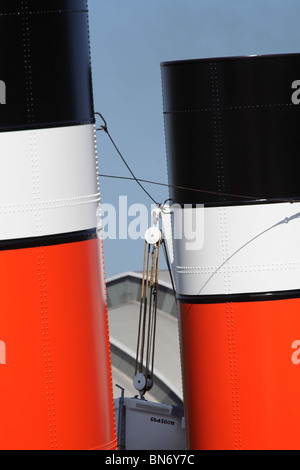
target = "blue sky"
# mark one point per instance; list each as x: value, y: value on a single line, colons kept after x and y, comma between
x: 129, y: 40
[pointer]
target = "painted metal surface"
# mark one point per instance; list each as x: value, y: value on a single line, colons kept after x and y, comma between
x: 55, y: 370
x: 231, y: 138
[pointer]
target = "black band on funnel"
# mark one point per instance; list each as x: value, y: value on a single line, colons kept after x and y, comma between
x: 45, y: 64
x: 243, y: 297
x: 232, y: 127
x: 48, y: 240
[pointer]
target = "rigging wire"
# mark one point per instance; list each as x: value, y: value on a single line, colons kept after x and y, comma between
x: 216, y: 193
x: 139, y: 181
x: 150, y: 286
x: 105, y: 129
x: 169, y: 269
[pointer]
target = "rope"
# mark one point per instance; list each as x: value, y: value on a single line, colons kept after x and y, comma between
x: 141, y: 305
x: 148, y: 315
x: 145, y: 314
x: 155, y: 309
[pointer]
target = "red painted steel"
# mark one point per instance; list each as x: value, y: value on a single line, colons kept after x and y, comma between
x: 56, y: 385
x: 241, y: 374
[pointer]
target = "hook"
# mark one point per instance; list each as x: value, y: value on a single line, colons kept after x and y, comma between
x: 104, y: 127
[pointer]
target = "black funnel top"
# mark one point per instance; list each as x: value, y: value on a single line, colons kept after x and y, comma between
x: 45, y: 64
x: 232, y: 127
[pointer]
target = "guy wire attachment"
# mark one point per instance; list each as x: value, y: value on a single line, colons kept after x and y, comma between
x: 103, y: 127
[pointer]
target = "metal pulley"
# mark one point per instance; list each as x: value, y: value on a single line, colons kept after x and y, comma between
x: 154, y: 234
x: 142, y: 383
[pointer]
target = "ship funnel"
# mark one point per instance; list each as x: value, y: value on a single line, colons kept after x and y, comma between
x: 55, y: 373
x: 232, y: 127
